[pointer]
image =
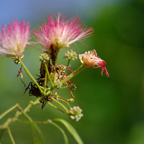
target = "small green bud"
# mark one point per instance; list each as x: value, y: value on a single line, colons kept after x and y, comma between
x: 71, y: 100
x: 73, y: 87
x: 49, y: 120
x: 70, y: 55
x: 44, y: 57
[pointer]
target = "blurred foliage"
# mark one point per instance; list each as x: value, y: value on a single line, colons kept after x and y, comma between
x: 113, y: 107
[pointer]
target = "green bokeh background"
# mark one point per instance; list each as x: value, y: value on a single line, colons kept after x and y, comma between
x: 113, y: 107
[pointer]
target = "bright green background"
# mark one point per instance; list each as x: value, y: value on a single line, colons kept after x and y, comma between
x: 113, y: 107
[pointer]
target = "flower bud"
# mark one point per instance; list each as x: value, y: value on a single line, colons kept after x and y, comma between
x: 72, y: 87
x: 70, y: 55
x: 75, y: 113
x: 44, y: 57
x: 62, y: 67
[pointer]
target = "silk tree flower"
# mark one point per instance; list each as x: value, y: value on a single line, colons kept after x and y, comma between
x: 60, y: 32
x: 90, y: 59
x: 14, y: 38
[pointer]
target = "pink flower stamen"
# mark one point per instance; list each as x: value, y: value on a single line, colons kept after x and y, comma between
x: 60, y: 32
x: 70, y: 70
x: 14, y: 38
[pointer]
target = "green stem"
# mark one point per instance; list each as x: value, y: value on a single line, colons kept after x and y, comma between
x: 9, y: 110
x: 61, y: 98
x: 2, y: 131
x: 77, y: 71
x: 10, y: 134
x: 63, y: 87
x: 45, y: 83
x: 30, y: 75
x: 36, y: 122
x: 55, y: 67
x: 67, y: 111
x: 55, y: 107
x: 31, y: 104
x: 18, y: 113
x: 48, y: 75
x: 67, y: 65
x: 26, y: 116
x: 47, y: 93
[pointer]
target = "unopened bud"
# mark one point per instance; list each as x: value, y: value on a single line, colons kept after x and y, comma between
x: 75, y: 113
x: 71, y: 100
x: 44, y: 57
x: 49, y: 120
x: 62, y: 67
x: 71, y: 55
x: 72, y: 87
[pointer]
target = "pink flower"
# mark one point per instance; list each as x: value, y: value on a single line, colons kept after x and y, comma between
x: 90, y: 59
x: 60, y: 32
x: 14, y: 38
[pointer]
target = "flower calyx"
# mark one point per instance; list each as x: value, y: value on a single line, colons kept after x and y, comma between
x: 16, y: 59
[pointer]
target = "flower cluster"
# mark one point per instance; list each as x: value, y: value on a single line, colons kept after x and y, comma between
x: 53, y: 36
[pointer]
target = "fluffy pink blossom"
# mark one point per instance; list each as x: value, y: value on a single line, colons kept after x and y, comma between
x: 14, y: 38
x: 90, y: 59
x: 60, y: 32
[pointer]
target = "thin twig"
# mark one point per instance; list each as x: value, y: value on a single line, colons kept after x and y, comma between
x: 10, y: 134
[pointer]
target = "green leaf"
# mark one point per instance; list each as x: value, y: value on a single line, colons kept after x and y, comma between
x: 36, y: 132
x: 71, y: 129
x: 62, y: 131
